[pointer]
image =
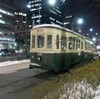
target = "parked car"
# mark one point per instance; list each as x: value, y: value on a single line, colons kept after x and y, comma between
x: 7, y: 52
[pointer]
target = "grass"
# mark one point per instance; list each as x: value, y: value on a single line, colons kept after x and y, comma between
x: 89, y: 74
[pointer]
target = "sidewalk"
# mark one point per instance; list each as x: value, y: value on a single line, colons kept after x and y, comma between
x: 7, y: 63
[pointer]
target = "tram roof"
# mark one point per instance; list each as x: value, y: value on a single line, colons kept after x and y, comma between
x: 52, y: 26
x: 56, y: 26
x: 59, y: 27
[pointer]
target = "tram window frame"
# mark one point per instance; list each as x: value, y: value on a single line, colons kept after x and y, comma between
x: 74, y: 45
x: 71, y: 42
x: 86, y: 45
x: 74, y: 39
x: 49, y: 42
x: 81, y: 45
x: 78, y: 41
x: 63, y: 42
x: 70, y: 45
x: 57, y: 42
x: 41, y: 42
x: 33, y: 41
x: 70, y: 39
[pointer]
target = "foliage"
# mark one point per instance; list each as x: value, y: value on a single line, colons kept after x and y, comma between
x: 89, y: 73
x: 97, y: 3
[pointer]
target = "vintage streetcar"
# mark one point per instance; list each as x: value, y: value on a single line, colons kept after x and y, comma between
x: 56, y: 48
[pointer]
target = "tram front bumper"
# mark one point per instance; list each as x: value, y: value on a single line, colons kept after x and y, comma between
x: 41, y: 66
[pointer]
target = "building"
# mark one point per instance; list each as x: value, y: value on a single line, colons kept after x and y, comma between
x: 21, y: 30
x: 7, y: 40
x: 42, y: 12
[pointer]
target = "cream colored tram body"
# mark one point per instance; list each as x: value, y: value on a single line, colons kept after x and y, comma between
x: 53, y: 47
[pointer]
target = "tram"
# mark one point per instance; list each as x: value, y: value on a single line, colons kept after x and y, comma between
x: 56, y: 48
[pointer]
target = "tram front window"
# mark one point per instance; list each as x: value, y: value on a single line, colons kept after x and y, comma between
x: 49, y: 41
x: 33, y: 41
x: 40, y: 41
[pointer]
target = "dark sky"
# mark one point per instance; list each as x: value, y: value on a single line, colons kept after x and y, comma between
x: 20, y: 4
x: 86, y: 9
x: 78, y: 8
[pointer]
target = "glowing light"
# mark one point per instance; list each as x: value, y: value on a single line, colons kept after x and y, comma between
x: 98, y: 47
x: 80, y: 21
x: 91, y: 29
x: 94, y: 39
x: 52, y: 2
x: 96, y: 33
x: 28, y: 6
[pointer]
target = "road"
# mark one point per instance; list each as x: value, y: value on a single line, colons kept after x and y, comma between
x: 16, y: 81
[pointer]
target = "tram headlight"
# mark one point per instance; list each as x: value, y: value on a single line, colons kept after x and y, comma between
x: 39, y: 58
x: 32, y: 56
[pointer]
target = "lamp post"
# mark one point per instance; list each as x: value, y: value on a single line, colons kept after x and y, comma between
x: 80, y: 21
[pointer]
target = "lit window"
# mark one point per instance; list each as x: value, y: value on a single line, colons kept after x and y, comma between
x: 1, y: 21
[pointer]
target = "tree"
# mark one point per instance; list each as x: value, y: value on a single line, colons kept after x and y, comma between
x: 21, y: 31
x: 98, y: 3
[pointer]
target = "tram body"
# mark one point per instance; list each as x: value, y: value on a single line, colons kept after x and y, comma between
x: 53, y: 47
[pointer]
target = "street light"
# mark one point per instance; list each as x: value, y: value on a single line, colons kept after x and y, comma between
x: 80, y: 21
x: 51, y: 2
x: 94, y: 39
x: 96, y: 34
x: 77, y: 22
x: 91, y: 29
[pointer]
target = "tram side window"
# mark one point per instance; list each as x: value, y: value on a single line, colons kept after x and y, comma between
x: 49, y: 41
x: 63, y: 42
x: 33, y: 41
x: 40, y: 41
x: 77, y: 44
x: 57, y: 42
x: 86, y: 45
x: 73, y: 39
x: 70, y: 43
x: 81, y: 45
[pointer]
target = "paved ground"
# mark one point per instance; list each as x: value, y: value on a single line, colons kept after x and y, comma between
x: 16, y: 81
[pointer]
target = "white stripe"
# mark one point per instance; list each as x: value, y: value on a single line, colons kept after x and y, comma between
x: 35, y: 64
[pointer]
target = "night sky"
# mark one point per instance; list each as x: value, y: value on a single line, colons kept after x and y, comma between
x: 21, y: 4
x: 88, y: 10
